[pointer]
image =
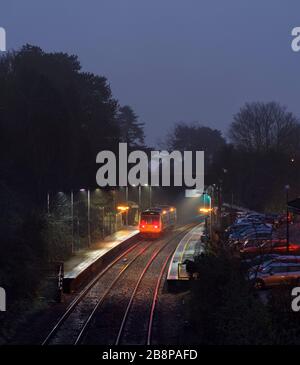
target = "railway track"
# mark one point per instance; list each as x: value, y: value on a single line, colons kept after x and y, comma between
x: 71, y: 308
x: 131, y: 322
x: 148, y: 332
x: 77, y: 325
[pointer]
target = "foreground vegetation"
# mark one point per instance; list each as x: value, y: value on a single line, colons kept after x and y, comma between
x: 226, y: 310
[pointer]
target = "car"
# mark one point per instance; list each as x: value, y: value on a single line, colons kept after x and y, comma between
x: 276, y: 274
x: 240, y: 213
x: 280, y: 246
x: 258, y: 235
x: 237, y: 227
x: 237, y: 233
x: 253, y: 241
x: 256, y: 216
x: 243, y: 233
x: 248, y: 220
x: 257, y: 260
x: 278, y: 258
x: 257, y: 228
x: 282, y: 219
x: 277, y: 246
x: 271, y: 218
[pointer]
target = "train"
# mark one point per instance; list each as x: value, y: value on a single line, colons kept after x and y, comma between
x: 154, y: 221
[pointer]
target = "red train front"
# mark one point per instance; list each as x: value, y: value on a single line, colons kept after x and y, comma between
x: 156, y: 220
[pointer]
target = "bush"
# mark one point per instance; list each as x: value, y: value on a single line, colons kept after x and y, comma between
x: 28, y: 240
x: 224, y: 308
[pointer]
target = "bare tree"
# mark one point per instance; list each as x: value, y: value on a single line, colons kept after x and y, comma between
x: 265, y: 127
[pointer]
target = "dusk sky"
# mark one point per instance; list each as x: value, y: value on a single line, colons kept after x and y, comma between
x: 172, y: 60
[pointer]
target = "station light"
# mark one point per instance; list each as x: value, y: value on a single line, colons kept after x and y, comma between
x: 205, y: 210
x: 122, y: 208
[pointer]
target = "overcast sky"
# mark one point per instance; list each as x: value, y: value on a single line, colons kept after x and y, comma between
x: 172, y: 60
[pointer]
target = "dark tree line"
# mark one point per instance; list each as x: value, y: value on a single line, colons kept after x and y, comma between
x: 265, y: 127
x: 54, y: 119
x: 260, y: 158
x: 264, y: 156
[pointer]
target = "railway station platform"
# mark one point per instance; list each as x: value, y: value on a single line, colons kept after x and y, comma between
x: 85, y: 263
x: 189, y: 246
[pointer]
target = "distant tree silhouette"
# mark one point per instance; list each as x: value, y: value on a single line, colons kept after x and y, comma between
x: 195, y: 137
x: 263, y: 157
x: 132, y: 131
x: 54, y: 119
x: 261, y: 127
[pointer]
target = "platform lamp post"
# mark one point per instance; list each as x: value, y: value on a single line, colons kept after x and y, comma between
x: 149, y: 201
x: 287, y: 187
x: 126, y: 198
x: 140, y: 197
x: 207, y: 212
x: 89, y: 215
x: 103, y: 219
x: 210, y: 217
x: 72, y: 220
x: 150, y: 196
x: 48, y: 202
